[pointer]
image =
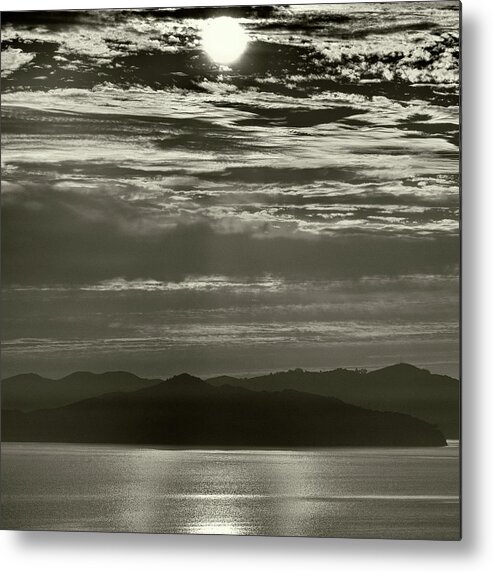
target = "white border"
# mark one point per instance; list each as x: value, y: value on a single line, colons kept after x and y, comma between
x: 59, y: 552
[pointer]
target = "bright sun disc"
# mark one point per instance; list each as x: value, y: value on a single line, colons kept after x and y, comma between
x: 224, y: 39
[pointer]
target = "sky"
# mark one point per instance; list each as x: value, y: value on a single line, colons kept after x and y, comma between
x: 298, y: 207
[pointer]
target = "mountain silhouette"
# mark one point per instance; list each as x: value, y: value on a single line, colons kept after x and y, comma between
x: 29, y: 391
x: 186, y: 411
x: 402, y: 388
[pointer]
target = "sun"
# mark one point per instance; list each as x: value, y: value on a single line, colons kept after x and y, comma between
x: 224, y: 39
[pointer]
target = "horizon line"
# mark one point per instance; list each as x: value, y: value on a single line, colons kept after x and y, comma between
x: 238, y: 375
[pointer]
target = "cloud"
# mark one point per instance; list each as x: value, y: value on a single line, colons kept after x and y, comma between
x: 145, y: 191
x: 236, y: 136
x: 346, y: 45
x: 217, y: 348
x: 58, y: 237
x: 13, y: 59
x: 196, y: 284
x: 251, y: 334
x: 223, y: 323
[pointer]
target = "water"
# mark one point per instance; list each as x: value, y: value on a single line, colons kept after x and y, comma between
x: 340, y: 492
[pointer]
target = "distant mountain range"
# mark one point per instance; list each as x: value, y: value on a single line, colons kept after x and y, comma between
x: 287, y: 408
x: 402, y: 388
x: 186, y: 411
x: 29, y: 391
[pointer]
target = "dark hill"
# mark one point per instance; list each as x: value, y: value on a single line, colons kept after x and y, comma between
x: 185, y: 411
x: 27, y: 392
x: 401, y: 388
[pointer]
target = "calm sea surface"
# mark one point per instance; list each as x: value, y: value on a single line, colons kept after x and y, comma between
x: 392, y: 493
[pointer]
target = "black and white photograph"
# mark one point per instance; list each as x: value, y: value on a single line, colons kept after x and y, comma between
x: 231, y: 263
